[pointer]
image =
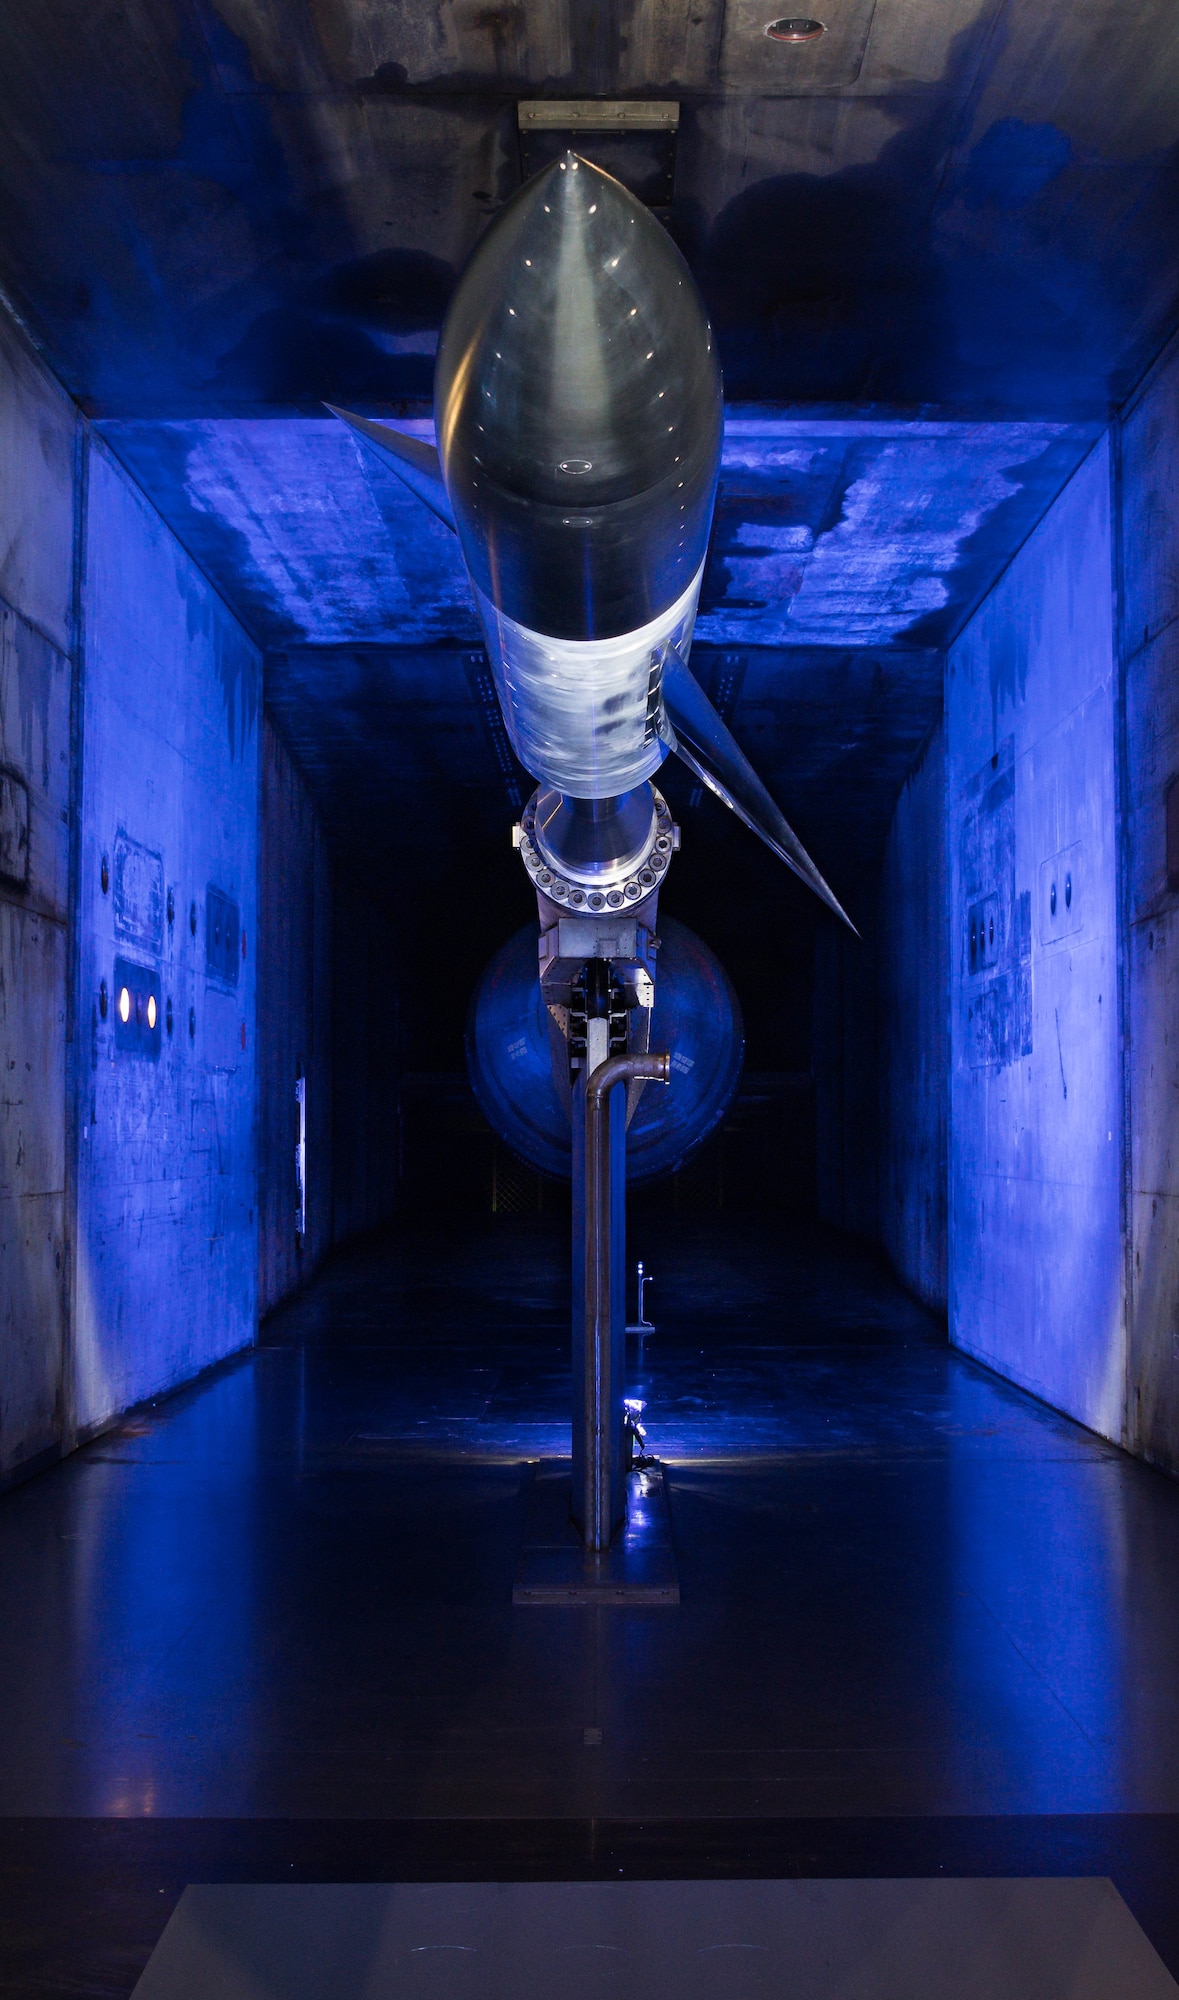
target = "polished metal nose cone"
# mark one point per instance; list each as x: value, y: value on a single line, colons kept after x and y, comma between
x: 578, y: 408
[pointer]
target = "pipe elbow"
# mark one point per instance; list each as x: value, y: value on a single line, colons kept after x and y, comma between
x: 626, y: 1069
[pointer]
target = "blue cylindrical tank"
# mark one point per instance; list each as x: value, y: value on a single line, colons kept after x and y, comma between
x: 697, y: 1020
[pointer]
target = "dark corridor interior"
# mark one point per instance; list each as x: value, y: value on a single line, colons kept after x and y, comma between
x: 422, y: 964
x: 285, y: 1316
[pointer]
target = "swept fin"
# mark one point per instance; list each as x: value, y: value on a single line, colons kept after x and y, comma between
x: 700, y: 738
x: 412, y: 459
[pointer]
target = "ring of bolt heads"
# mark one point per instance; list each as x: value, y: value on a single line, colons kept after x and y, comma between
x: 628, y: 890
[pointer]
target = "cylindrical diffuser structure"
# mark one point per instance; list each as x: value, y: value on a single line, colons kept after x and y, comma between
x: 579, y: 419
x: 509, y: 1056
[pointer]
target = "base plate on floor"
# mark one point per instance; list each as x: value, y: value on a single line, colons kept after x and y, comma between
x: 555, y: 1568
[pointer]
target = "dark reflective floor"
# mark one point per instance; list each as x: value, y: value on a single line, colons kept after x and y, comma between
x: 910, y: 1593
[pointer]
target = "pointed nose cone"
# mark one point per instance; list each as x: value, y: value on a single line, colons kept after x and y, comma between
x: 578, y: 407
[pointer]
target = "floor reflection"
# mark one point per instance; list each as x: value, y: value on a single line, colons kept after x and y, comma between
x: 906, y: 1588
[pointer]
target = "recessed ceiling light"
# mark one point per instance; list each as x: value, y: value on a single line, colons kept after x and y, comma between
x: 800, y: 30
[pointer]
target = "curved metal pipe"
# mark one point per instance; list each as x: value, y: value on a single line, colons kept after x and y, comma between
x: 600, y: 1250
x: 625, y: 1069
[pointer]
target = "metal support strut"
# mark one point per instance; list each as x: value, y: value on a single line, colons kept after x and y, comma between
x: 604, y: 1255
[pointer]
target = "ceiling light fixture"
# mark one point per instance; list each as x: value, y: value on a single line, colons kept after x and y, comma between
x: 800, y: 30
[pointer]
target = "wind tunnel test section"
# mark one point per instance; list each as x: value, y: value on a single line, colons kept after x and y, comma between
x: 579, y: 418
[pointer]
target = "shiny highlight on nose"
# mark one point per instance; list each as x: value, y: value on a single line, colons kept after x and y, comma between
x: 577, y: 376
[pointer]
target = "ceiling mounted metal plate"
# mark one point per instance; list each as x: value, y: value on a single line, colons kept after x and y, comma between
x: 633, y: 139
x: 777, y: 65
x: 592, y: 114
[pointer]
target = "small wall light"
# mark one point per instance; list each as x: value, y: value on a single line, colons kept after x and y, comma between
x: 124, y: 1005
x: 103, y: 999
x: 151, y: 1010
x: 104, y: 874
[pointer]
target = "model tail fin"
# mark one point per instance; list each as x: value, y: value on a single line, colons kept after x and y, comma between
x: 700, y: 738
x: 412, y: 459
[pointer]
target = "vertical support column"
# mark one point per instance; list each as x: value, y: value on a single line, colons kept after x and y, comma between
x: 585, y: 1386
x: 599, y: 1483
x: 603, y: 1501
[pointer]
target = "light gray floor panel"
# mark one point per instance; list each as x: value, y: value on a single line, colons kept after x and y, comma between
x: 1029, y: 1939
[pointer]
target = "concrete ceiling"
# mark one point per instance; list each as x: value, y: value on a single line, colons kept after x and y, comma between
x: 937, y: 245
x: 847, y: 552
x: 830, y: 531
x: 265, y: 202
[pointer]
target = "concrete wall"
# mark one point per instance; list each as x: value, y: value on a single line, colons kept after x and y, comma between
x: 1036, y: 1259
x: 881, y: 1046
x: 166, y: 1267
x: 1061, y: 744
x: 38, y: 430
x: 912, y: 1009
x: 846, y: 1043
x: 1060, y: 748
x: 1149, y: 575
x: 367, y: 1061
x: 129, y: 791
x: 295, y: 1031
x: 136, y: 1234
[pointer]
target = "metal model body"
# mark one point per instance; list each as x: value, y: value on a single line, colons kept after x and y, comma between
x: 579, y: 418
x: 578, y: 413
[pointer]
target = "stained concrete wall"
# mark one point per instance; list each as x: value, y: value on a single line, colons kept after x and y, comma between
x: 128, y: 792
x: 367, y: 1061
x: 133, y: 1244
x: 1059, y: 952
x: 1036, y: 1259
x: 1149, y: 574
x: 295, y: 1031
x: 881, y: 1046
x: 166, y: 1266
x: 912, y: 1011
x: 38, y: 431
x: 845, y: 1063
